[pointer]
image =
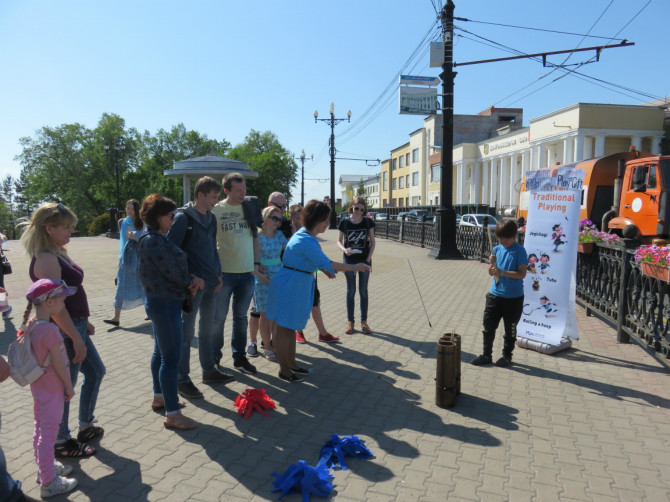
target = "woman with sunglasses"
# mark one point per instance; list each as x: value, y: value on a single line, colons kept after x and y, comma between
x: 291, y: 294
x: 272, y: 244
x: 44, y: 239
x: 357, y: 241
x: 163, y: 268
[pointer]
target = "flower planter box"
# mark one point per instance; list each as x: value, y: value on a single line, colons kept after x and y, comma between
x: 585, y: 247
x: 656, y: 271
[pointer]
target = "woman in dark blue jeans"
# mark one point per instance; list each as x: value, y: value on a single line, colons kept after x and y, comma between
x: 164, y: 274
x: 44, y: 238
x: 357, y: 242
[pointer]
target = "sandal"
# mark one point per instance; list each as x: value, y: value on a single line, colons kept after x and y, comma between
x: 161, y: 407
x: 181, y: 423
x: 112, y: 322
x: 73, y: 449
x: 86, y: 435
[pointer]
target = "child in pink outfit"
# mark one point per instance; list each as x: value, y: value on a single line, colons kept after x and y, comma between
x: 54, y: 387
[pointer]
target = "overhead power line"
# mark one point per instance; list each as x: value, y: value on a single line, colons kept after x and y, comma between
x: 532, y: 28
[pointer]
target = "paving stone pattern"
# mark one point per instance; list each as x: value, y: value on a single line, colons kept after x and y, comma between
x: 592, y: 423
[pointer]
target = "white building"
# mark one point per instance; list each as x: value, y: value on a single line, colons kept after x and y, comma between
x: 349, y: 184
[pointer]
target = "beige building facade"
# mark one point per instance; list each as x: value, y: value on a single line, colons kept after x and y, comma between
x: 490, y: 171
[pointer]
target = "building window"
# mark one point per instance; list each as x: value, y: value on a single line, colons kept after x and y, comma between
x: 394, y: 163
x: 435, y: 173
x: 386, y: 181
x: 383, y: 202
x: 402, y: 161
x: 407, y: 179
x: 416, y: 201
x: 394, y: 202
x: 393, y: 183
x: 415, y: 155
x: 407, y: 201
x: 407, y: 159
x: 401, y: 182
x: 401, y: 201
x: 415, y: 179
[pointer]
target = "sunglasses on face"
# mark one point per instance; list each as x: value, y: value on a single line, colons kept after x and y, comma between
x: 357, y: 209
x: 280, y: 206
x: 275, y: 219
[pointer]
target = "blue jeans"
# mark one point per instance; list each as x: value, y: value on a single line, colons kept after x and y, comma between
x: 241, y: 288
x: 211, y: 324
x: 10, y: 489
x: 93, y: 370
x: 166, y: 323
x: 363, y: 278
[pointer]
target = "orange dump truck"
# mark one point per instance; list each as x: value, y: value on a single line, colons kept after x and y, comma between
x: 628, y: 190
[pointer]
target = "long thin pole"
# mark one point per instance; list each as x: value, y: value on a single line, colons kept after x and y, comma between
x: 447, y: 249
x: 302, y: 184
x: 333, y: 216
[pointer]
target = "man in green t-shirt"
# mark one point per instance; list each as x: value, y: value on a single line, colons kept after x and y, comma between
x: 239, y: 253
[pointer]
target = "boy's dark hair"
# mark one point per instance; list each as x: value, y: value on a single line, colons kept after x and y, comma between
x: 544, y: 255
x: 205, y: 185
x: 155, y: 206
x: 532, y: 255
x: 229, y: 178
x: 315, y: 212
x: 556, y: 226
x: 506, y: 229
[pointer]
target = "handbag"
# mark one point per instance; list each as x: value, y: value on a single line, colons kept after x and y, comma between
x: 6, y: 266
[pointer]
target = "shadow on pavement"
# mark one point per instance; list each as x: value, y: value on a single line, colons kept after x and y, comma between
x: 602, y: 388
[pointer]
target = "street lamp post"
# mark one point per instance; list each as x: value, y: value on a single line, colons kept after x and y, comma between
x: 332, y: 121
x: 303, y: 158
x: 446, y: 249
x: 117, y: 151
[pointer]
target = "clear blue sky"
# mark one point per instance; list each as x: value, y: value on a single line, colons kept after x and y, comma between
x: 226, y: 67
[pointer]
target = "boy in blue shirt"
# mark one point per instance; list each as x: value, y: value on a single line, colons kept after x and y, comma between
x: 509, y: 264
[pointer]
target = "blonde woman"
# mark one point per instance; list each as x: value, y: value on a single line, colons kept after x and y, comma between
x: 272, y: 244
x: 44, y: 239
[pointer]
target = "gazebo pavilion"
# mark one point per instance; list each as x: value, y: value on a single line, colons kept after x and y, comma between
x: 209, y: 165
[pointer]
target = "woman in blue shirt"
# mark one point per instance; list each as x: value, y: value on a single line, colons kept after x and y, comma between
x: 129, y: 290
x: 291, y: 293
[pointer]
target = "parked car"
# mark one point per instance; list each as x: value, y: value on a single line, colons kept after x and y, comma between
x: 400, y: 215
x: 419, y: 215
x: 381, y: 216
x: 372, y: 215
x: 477, y: 220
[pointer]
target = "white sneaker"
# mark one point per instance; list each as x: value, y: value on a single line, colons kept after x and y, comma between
x: 61, y: 470
x: 270, y: 355
x: 57, y: 486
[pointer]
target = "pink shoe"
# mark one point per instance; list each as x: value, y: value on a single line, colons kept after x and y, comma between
x: 300, y: 337
x: 328, y: 338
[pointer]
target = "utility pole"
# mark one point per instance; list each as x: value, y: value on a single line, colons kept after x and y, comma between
x: 446, y: 248
x: 332, y: 122
x: 303, y: 158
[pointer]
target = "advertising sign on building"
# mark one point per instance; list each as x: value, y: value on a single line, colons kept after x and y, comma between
x: 417, y: 100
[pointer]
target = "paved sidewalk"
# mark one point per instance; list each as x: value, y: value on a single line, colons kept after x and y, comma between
x: 592, y: 423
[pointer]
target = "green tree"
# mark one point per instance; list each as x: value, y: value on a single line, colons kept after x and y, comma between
x: 69, y: 164
x: 277, y: 171
x: 360, y: 192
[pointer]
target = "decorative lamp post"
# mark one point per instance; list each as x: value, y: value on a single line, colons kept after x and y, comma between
x: 117, y: 151
x: 332, y: 122
x: 303, y: 158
